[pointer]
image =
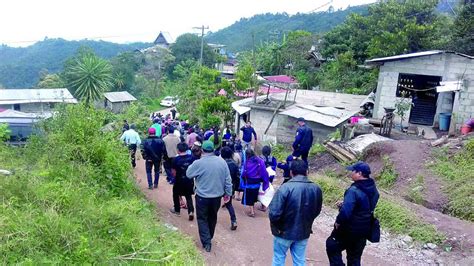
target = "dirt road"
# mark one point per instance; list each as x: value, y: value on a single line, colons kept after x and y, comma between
x: 251, y: 243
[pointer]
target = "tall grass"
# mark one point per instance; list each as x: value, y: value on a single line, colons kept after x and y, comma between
x: 458, y: 172
x: 72, y: 200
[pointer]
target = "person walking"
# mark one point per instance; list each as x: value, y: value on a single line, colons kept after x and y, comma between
x: 254, y: 173
x: 171, y: 143
x: 131, y: 138
x: 247, y: 132
x: 213, y: 181
x: 182, y: 186
x: 173, y: 113
x: 354, y: 221
x: 303, y: 140
x: 269, y: 160
x: 157, y: 126
x: 153, y: 149
x: 292, y: 211
x: 191, y: 138
x: 226, y: 154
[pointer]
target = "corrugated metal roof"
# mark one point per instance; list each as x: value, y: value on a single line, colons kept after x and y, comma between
x: 17, y: 96
x: 328, y: 116
x: 413, y: 55
x: 16, y: 117
x: 119, y: 96
x: 239, y: 105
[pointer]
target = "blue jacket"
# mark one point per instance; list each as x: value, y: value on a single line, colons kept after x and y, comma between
x: 286, y: 166
x: 304, y: 139
x: 355, y: 213
x: 294, y: 207
x: 247, y: 134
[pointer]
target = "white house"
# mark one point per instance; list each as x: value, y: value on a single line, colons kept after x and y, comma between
x: 39, y: 101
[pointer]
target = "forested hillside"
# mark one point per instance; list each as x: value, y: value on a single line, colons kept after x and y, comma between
x: 272, y: 27
x: 21, y: 67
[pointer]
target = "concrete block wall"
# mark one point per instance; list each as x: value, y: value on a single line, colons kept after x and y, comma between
x: 260, y: 120
x: 449, y: 67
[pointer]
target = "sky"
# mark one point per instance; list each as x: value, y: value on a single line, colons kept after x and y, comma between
x: 24, y: 22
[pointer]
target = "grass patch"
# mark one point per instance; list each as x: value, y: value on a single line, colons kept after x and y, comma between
x: 72, y: 200
x: 153, y: 104
x: 458, y: 171
x: 416, y: 191
x: 280, y: 152
x: 316, y: 149
x: 388, y: 176
x: 393, y: 217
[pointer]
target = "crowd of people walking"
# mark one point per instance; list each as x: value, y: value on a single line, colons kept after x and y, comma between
x: 219, y: 167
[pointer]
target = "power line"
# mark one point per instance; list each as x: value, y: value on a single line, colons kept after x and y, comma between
x: 202, y: 28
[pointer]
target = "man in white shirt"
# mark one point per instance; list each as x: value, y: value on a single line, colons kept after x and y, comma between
x: 132, y: 140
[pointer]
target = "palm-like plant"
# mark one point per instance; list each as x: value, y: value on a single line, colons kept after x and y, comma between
x: 89, y: 76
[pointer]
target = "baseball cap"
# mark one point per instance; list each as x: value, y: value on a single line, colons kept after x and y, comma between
x: 151, y: 131
x: 208, y: 146
x: 360, y: 166
x: 301, y: 119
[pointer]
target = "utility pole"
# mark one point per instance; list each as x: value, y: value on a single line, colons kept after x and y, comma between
x: 202, y: 28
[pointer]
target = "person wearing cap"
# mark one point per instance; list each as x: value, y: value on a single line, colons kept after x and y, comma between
x: 153, y: 149
x: 213, y: 181
x: 292, y: 211
x: 353, y: 223
x: 131, y: 138
x: 171, y: 143
x: 303, y: 140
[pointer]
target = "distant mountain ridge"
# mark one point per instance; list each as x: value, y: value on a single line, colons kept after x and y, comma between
x: 272, y: 27
x: 20, y: 67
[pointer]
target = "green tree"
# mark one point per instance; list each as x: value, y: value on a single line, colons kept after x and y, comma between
x: 214, y: 111
x: 124, y: 67
x: 462, y: 39
x: 188, y: 46
x: 89, y: 76
x: 391, y: 27
x: 51, y: 81
x: 153, y: 65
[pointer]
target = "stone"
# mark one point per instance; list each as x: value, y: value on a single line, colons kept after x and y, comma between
x: 428, y: 253
x: 407, y: 239
x: 431, y: 246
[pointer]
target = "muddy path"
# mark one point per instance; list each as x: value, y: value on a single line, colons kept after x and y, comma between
x: 252, y: 242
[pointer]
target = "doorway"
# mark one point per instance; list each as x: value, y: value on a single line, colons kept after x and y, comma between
x: 422, y: 90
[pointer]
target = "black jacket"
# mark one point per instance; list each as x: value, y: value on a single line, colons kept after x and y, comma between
x: 355, y: 213
x: 294, y: 207
x: 153, y: 148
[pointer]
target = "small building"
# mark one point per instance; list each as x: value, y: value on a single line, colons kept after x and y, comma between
x: 21, y: 125
x: 39, y: 101
x: 164, y: 39
x: 274, y: 118
x: 117, y: 101
x: 421, y: 77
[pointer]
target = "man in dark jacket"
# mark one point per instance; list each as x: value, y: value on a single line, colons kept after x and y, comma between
x: 226, y: 154
x: 247, y: 132
x: 153, y: 149
x: 353, y: 224
x: 303, y: 140
x: 292, y: 212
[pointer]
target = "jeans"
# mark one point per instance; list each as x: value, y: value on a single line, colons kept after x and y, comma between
x: 246, y: 145
x: 354, y: 247
x: 206, y: 212
x: 297, y: 250
x: 231, y: 210
x: 167, y: 165
x: 155, y: 165
x: 132, y: 148
x: 176, y: 203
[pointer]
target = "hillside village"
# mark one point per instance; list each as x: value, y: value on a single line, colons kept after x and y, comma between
x: 401, y: 101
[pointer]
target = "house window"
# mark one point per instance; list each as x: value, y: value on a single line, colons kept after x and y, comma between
x: 16, y: 107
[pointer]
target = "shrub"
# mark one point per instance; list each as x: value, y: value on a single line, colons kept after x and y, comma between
x: 388, y: 175
x: 72, y: 200
x: 458, y: 171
